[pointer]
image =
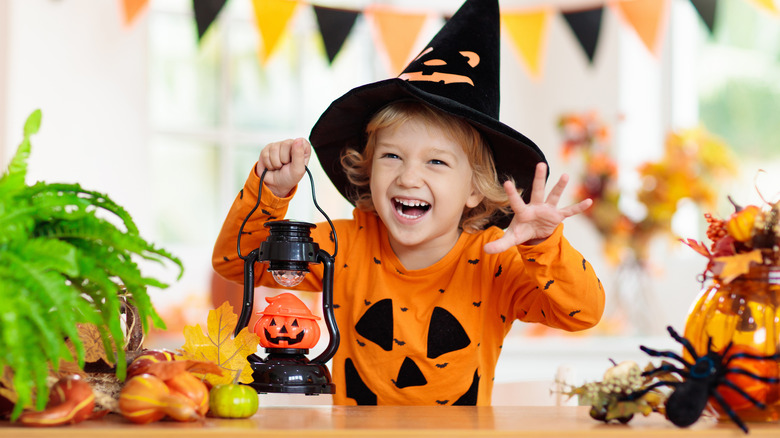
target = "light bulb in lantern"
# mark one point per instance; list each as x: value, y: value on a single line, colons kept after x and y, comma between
x: 288, y: 277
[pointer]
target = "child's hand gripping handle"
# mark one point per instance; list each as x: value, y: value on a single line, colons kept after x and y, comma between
x: 285, y: 162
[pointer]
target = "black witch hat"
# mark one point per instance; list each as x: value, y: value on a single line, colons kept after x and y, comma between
x: 458, y: 73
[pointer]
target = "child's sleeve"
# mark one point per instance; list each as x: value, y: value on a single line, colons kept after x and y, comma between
x: 561, y: 289
x: 225, y: 259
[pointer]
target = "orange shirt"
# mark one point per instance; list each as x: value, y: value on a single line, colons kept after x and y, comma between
x: 429, y: 336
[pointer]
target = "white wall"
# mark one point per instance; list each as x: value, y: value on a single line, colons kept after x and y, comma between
x: 4, y: 43
x: 86, y: 71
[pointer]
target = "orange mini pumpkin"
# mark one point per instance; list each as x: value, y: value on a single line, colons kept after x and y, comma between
x: 287, y: 323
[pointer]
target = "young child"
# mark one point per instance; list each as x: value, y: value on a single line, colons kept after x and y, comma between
x: 427, y: 284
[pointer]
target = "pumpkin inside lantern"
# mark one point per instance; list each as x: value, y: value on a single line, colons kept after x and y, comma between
x: 287, y: 323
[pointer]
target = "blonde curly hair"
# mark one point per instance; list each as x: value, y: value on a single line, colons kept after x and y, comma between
x: 357, y: 164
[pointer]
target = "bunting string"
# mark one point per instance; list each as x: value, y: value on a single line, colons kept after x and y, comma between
x: 395, y: 30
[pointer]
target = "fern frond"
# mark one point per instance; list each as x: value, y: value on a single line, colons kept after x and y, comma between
x: 90, y: 228
x: 95, y: 200
x: 14, y: 177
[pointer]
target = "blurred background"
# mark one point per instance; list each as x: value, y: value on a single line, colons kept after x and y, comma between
x: 658, y: 109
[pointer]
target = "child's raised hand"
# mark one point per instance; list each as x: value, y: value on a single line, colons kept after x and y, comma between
x: 286, y: 162
x: 535, y: 221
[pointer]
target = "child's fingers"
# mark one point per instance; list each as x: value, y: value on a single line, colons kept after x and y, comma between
x: 306, y: 148
x: 299, y: 157
x: 508, y: 240
x: 537, y: 189
x: 282, y: 154
x: 515, y: 201
x: 275, y: 155
x: 269, y: 156
x: 577, y: 208
x: 497, y: 246
x: 557, y: 190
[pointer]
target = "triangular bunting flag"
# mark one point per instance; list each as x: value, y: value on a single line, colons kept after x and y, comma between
x: 206, y: 12
x: 767, y: 5
x: 335, y: 25
x: 706, y: 10
x: 528, y: 31
x: 272, y: 17
x: 131, y: 9
x: 648, y: 18
x: 396, y: 32
x: 586, y: 25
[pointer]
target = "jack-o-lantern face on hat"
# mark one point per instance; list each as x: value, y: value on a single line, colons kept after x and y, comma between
x: 287, y: 323
x: 455, y: 68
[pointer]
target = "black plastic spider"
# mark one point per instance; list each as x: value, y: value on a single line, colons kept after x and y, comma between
x: 701, y: 380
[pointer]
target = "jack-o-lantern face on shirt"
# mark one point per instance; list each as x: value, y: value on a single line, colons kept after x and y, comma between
x: 392, y: 336
x: 456, y: 68
x: 287, y: 323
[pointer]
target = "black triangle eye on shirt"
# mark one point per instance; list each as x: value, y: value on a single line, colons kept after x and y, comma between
x: 376, y: 324
x: 445, y: 334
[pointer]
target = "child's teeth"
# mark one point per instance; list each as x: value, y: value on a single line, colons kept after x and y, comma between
x: 414, y: 203
x: 416, y: 208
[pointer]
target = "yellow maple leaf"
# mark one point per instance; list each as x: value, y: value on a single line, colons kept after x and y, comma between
x: 220, y: 347
x: 738, y: 264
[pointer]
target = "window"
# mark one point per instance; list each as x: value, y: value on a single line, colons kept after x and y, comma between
x: 739, y: 94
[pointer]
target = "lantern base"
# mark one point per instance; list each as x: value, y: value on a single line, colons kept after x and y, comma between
x: 290, y: 374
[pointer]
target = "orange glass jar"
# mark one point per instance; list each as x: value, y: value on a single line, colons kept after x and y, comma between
x: 746, y: 313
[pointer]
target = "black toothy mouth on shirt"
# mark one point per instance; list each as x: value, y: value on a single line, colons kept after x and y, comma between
x: 411, y: 208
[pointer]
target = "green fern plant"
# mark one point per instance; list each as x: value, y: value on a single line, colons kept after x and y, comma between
x: 66, y: 255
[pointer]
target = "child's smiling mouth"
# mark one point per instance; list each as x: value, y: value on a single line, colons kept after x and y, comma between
x: 411, y: 208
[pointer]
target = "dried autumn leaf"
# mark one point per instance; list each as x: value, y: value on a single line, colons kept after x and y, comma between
x: 218, y: 346
x: 93, y: 343
x: 697, y: 246
x: 738, y: 264
x: 94, y: 350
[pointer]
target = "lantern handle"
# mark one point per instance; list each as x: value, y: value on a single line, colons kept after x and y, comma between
x: 328, y: 262
x: 257, y: 204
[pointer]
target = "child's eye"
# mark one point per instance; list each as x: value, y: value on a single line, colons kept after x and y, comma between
x: 438, y: 162
x: 389, y: 155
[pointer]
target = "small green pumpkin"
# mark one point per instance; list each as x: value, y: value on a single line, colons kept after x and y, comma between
x: 233, y: 401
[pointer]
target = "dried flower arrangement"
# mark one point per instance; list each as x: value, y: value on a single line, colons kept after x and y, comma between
x: 610, y: 399
x: 748, y: 237
x: 694, y: 161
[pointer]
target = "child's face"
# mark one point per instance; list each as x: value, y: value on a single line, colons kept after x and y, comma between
x: 421, y: 181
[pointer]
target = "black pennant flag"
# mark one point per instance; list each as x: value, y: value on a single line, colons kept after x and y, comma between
x: 586, y: 25
x: 335, y: 26
x: 206, y: 12
x: 706, y: 10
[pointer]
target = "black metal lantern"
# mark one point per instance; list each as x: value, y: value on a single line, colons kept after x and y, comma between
x: 288, y: 251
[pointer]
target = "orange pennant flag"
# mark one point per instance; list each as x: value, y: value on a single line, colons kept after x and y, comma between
x: 528, y: 31
x: 396, y: 32
x: 131, y: 9
x: 767, y: 5
x: 649, y: 19
x: 271, y: 17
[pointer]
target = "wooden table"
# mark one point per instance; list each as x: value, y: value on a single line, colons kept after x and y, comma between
x: 401, y: 421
